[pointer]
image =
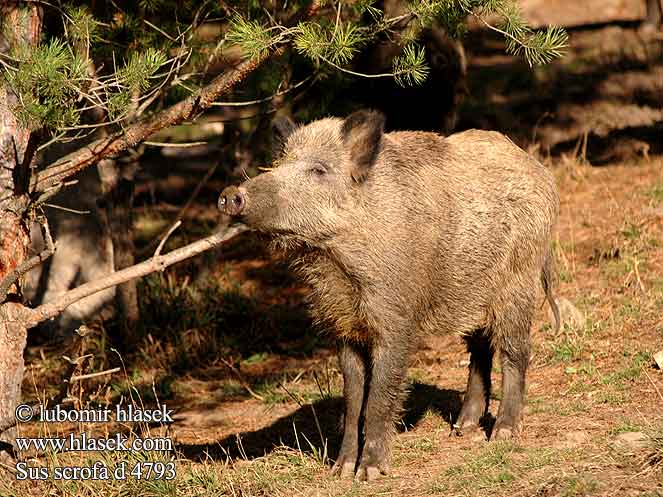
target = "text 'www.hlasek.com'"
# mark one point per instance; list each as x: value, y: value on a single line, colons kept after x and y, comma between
x: 122, y: 455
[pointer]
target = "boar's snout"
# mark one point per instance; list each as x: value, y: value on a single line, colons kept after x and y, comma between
x: 232, y: 200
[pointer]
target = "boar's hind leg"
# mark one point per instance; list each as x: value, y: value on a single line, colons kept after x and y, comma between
x: 512, y: 339
x: 385, y: 397
x: 475, y: 404
x: 353, y: 367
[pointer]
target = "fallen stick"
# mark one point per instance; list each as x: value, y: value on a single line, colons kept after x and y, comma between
x: 93, y: 375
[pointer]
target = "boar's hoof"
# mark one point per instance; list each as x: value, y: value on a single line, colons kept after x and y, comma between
x: 344, y: 468
x: 464, y: 427
x: 369, y: 473
x: 374, y: 461
x: 468, y: 429
x: 502, y: 433
x: 232, y: 201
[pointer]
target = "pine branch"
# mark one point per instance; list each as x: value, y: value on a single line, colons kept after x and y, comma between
x: 538, y: 47
x: 50, y: 178
x: 410, y: 67
x: 339, y: 45
x: 250, y: 35
x: 187, y: 109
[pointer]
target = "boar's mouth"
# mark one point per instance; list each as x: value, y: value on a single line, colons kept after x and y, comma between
x: 260, y: 214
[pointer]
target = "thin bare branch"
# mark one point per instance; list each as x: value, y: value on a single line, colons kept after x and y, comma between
x: 262, y: 100
x: 241, y: 379
x: 93, y: 375
x: 361, y: 74
x: 180, y: 60
x: 185, y: 207
x: 31, y: 263
x: 159, y: 30
x: 67, y: 209
x: 174, y: 145
x: 166, y: 236
x: 156, y: 263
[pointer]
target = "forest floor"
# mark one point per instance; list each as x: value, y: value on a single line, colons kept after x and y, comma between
x: 256, y: 390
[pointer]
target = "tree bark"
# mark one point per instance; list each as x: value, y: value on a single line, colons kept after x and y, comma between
x: 13, y: 336
x: 20, y: 24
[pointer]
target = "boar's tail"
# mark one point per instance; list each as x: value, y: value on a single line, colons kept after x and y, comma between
x: 546, y: 281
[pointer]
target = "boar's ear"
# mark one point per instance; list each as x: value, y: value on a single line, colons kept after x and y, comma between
x: 362, y: 132
x: 282, y: 128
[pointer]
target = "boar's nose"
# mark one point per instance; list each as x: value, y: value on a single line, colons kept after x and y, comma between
x: 232, y: 200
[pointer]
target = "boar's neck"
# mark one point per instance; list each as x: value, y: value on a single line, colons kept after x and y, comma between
x: 336, y: 290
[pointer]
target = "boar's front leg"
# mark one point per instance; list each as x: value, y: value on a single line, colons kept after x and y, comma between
x: 385, y: 396
x: 353, y: 366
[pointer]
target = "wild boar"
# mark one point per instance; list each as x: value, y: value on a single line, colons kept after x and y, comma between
x: 406, y: 234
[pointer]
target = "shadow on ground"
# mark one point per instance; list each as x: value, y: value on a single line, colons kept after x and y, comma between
x: 326, y: 414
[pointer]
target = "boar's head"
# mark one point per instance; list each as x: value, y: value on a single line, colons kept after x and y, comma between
x: 318, y: 173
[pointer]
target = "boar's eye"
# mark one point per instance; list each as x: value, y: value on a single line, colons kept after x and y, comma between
x: 318, y: 170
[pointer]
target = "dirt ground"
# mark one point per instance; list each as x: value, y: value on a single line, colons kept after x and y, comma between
x: 257, y: 391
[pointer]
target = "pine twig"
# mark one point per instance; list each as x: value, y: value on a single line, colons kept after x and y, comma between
x: 185, y: 110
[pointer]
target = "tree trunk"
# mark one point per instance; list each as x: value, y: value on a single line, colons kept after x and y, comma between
x: 21, y: 24
x: 117, y: 219
x: 13, y: 336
